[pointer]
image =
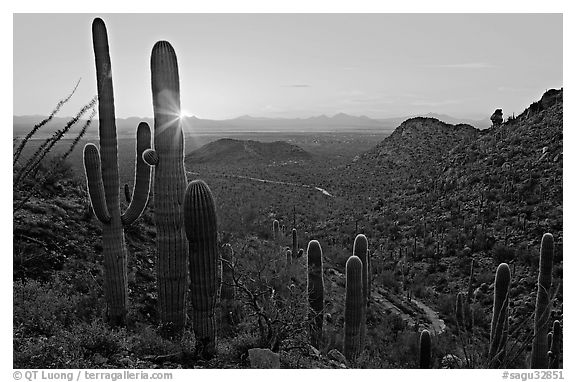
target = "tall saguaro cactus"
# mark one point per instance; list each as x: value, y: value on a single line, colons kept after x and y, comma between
x: 169, y: 187
x: 353, y: 310
x: 499, y: 326
x: 315, y: 292
x: 361, y: 251
x: 202, y: 233
x: 539, y: 358
x: 101, y: 167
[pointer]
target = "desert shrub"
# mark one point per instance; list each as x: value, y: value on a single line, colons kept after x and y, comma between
x: 503, y: 253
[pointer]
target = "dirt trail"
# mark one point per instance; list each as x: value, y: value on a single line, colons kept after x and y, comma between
x: 323, y: 191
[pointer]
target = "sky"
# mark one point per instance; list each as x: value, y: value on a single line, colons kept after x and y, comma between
x: 297, y: 65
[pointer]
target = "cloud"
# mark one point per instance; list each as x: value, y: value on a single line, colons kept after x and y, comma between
x: 467, y: 65
x: 296, y: 86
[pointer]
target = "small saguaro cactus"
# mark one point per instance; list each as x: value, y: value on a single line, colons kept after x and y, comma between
x: 353, y: 310
x: 425, y: 351
x: 361, y: 251
x: 202, y: 233
x: 101, y: 167
x: 460, y: 319
x: 169, y: 188
x: 288, y: 258
x: 499, y: 326
x: 539, y: 359
x: 315, y: 292
x: 276, y: 229
x: 555, y: 348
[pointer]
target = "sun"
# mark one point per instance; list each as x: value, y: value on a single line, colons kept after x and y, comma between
x: 183, y: 114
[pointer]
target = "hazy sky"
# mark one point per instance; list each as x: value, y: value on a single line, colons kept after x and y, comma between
x: 297, y: 65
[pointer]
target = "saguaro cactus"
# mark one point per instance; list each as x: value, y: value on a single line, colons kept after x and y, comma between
x: 425, y: 351
x: 294, y: 242
x: 276, y: 229
x: 460, y: 319
x: 353, y: 310
x: 169, y: 187
x: 202, y: 233
x: 315, y: 292
x: 539, y: 359
x: 101, y: 167
x: 361, y: 251
x: 554, y: 353
x: 499, y: 326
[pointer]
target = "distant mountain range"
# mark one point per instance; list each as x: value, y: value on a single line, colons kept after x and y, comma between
x: 126, y: 127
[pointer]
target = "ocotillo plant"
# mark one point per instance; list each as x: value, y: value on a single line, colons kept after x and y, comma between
x: 425, y: 351
x: 539, y: 359
x: 169, y: 188
x: 101, y: 169
x: 499, y: 326
x: 353, y: 310
x: 554, y: 353
x: 202, y: 234
x: 276, y: 229
x: 361, y: 251
x: 227, y: 291
x: 315, y: 292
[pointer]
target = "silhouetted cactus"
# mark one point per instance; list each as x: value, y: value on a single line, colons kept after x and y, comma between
x: 499, y: 326
x: 361, y: 251
x: 101, y: 167
x: 300, y: 253
x: 539, y: 359
x: 202, y: 234
x: 555, y: 348
x: 294, y: 242
x: 353, y: 310
x: 315, y: 292
x: 276, y: 229
x: 169, y: 188
x: 425, y: 349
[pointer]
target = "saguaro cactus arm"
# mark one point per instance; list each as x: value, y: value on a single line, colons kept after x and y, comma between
x: 150, y: 156
x: 142, y: 177
x: 93, y: 171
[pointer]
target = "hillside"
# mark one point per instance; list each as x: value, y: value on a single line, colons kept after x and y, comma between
x: 233, y: 151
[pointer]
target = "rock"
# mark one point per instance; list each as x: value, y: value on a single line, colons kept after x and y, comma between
x: 263, y: 359
x: 336, y: 356
x: 315, y: 351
